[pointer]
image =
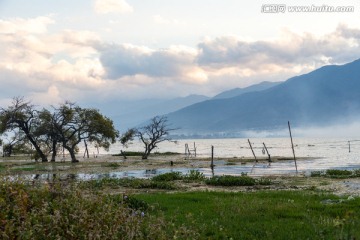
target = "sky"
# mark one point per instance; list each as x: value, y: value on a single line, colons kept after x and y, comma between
x: 102, y: 50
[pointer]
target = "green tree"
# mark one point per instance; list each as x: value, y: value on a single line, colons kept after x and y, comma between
x: 73, y: 124
x: 47, y: 130
x: 22, y: 116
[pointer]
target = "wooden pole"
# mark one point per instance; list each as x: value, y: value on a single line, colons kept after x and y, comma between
x: 267, y: 152
x: 212, y: 157
x: 349, y: 146
x: 195, y: 149
x: 292, y: 146
x: 252, y: 150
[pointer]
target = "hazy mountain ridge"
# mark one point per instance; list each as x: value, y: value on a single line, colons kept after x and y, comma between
x: 324, y: 96
x: 239, y: 91
x: 127, y: 114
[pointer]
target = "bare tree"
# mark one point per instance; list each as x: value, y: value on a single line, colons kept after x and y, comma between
x: 155, y: 132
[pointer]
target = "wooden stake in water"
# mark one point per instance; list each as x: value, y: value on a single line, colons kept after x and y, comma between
x: 212, y: 157
x: 252, y: 151
x: 267, y: 153
x: 349, y: 146
x: 292, y: 146
x: 194, y: 149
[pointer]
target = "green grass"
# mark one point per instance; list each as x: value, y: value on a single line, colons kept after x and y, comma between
x: 259, y: 215
x: 191, y: 176
x: 112, y: 165
x: 166, y: 153
x: 336, y: 173
x: 170, y: 176
x: 126, y: 182
x: 243, y: 180
x: 69, y: 211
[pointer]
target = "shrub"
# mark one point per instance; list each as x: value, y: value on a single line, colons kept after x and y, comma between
x: 112, y: 165
x: 335, y: 173
x: 264, y: 181
x: 227, y: 180
x: 316, y: 173
x: 356, y: 173
x: 50, y: 212
x: 194, y: 175
x: 170, y: 176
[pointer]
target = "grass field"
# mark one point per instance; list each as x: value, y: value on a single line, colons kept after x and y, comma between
x: 71, y: 210
x: 257, y: 215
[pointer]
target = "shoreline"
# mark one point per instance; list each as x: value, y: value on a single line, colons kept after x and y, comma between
x: 108, y: 164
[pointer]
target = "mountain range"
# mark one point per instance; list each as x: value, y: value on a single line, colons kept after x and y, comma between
x: 128, y: 114
x: 328, y: 95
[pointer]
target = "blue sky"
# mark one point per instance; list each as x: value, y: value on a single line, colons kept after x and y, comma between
x: 133, y: 49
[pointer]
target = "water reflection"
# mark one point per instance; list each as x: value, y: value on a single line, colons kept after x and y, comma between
x: 259, y: 169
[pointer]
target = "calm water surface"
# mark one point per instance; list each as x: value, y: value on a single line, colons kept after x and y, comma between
x: 325, y: 153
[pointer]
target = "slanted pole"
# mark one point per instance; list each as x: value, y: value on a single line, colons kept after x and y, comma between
x: 267, y: 153
x: 292, y: 146
x: 252, y: 150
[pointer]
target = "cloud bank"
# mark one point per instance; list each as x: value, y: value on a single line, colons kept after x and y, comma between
x: 112, y: 6
x: 72, y: 64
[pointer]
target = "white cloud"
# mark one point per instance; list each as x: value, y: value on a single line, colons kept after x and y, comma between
x: 161, y: 20
x: 50, y: 97
x: 112, y: 6
x: 176, y: 62
x: 293, y: 53
x: 72, y: 64
x: 35, y: 25
x: 39, y: 63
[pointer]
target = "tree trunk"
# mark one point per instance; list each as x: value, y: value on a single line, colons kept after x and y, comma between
x: 147, y: 152
x: 37, y: 148
x: 72, y: 154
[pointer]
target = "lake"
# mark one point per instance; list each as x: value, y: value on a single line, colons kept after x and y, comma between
x: 325, y: 153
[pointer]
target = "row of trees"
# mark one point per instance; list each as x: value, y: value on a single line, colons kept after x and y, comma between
x: 63, y: 126
x: 66, y: 125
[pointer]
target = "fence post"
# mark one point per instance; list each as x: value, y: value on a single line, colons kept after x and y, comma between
x: 267, y: 153
x: 212, y: 157
x: 292, y: 145
x: 252, y: 151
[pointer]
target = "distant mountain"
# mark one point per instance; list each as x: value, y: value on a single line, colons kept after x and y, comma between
x: 321, y: 97
x: 239, y: 91
x: 127, y: 114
